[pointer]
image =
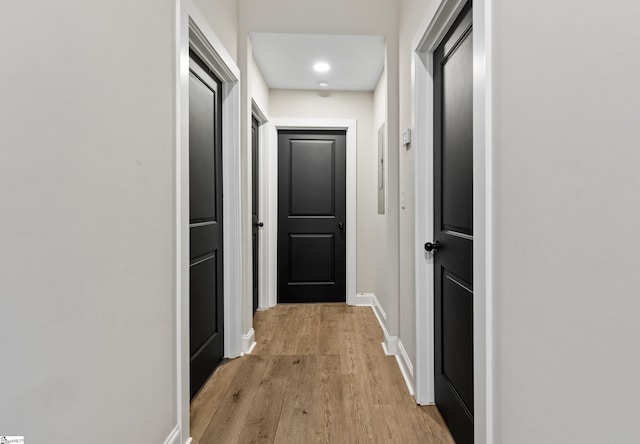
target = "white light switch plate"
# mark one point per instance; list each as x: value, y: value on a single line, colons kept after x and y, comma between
x: 406, y: 137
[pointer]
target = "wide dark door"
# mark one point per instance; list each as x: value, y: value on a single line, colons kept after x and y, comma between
x: 311, y: 216
x: 205, y: 219
x: 453, y: 172
x: 255, y: 217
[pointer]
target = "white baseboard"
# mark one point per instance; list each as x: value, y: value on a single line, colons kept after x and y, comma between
x: 379, y: 311
x: 393, y: 346
x: 174, y: 436
x: 188, y: 441
x: 406, y: 367
x: 363, y: 300
x: 248, y: 342
x: 390, y: 344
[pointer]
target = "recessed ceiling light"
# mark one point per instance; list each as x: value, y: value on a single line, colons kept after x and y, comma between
x: 321, y: 67
x: 323, y: 85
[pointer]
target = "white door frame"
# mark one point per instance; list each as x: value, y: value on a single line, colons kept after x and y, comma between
x: 437, y: 22
x: 350, y: 125
x: 263, y: 198
x: 192, y: 31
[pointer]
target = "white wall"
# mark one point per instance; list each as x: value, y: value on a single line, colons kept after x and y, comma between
x: 254, y: 88
x: 410, y: 15
x: 258, y: 86
x: 86, y: 233
x: 380, y: 102
x: 222, y: 16
x: 346, y: 105
x: 380, y: 289
x: 566, y: 103
x: 355, y: 17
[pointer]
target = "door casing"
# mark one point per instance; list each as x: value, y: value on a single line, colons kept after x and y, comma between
x: 263, y: 137
x: 192, y: 31
x: 270, y: 171
x: 434, y: 27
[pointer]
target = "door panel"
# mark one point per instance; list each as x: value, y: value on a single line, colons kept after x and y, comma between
x: 202, y: 162
x: 311, y: 170
x: 457, y: 134
x: 202, y: 309
x: 308, y: 268
x: 453, y: 226
x: 311, y: 216
x: 206, y: 316
x: 457, y: 337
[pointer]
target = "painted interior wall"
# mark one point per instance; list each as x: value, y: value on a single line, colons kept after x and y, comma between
x: 567, y: 313
x: 346, y: 105
x: 222, y: 16
x: 87, y: 233
x: 254, y: 88
x: 380, y: 102
x: 410, y: 16
x: 380, y: 220
x: 310, y: 17
x: 259, y: 90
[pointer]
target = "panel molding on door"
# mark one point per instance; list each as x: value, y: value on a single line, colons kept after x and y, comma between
x: 311, y: 216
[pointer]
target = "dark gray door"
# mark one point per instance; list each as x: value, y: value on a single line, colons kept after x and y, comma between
x: 311, y: 216
x: 255, y: 218
x: 453, y: 171
x: 205, y: 219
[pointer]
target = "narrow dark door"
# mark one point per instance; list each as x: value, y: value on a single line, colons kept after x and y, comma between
x: 205, y: 218
x: 311, y: 216
x: 255, y: 218
x: 453, y: 171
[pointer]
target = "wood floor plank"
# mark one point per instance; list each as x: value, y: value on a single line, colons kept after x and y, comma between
x: 439, y: 430
x: 318, y: 374
x: 230, y: 416
x: 330, y: 337
x: 364, y: 416
x: 330, y: 419
x: 296, y: 421
x: 306, y: 335
x: 264, y: 415
x: 207, y: 401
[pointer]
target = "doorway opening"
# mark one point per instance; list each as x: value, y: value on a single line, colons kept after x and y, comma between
x: 206, y: 228
x: 260, y: 191
x: 194, y: 36
x: 271, y: 223
x: 435, y: 27
x: 311, y: 216
x: 256, y: 223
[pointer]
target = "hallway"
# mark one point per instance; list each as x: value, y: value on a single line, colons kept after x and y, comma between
x: 317, y: 374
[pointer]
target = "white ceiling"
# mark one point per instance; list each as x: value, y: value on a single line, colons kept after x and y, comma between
x: 286, y: 60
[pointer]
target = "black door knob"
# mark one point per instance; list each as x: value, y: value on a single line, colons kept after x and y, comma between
x: 260, y: 224
x: 432, y: 246
x: 341, y: 226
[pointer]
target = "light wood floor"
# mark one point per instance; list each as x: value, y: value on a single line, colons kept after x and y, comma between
x: 317, y: 375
